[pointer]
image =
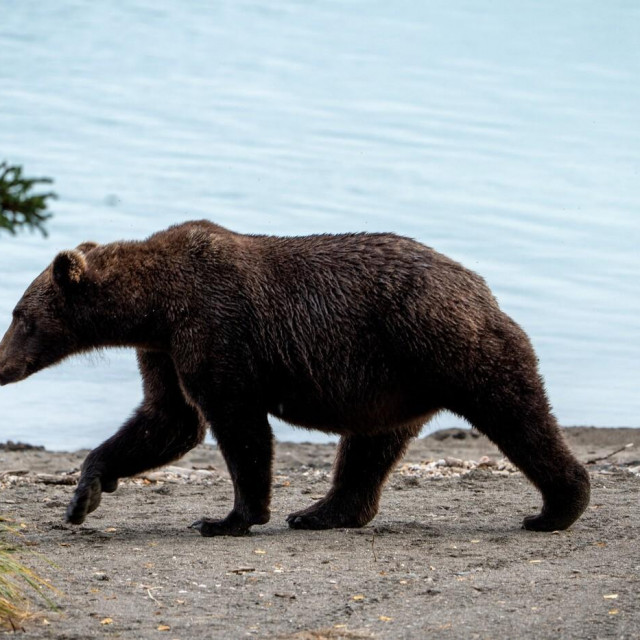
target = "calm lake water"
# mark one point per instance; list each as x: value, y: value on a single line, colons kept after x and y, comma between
x: 505, y: 134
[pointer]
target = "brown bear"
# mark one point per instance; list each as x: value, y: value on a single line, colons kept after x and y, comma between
x: 363, y: 335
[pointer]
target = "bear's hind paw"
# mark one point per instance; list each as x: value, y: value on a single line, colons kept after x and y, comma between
x: 227, y: 527
x: 310, y: 521
x: 544, y: 522
x: 322, y: 515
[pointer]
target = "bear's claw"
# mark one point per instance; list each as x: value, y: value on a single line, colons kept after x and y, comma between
x: 297, y: 521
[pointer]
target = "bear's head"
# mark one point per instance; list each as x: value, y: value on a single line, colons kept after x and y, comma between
x: 45, y: 325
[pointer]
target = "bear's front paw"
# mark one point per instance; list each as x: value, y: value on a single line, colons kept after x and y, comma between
x: 232, y: 525
x: 85, y: 500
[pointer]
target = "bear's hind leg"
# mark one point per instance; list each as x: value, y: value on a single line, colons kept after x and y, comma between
x: 518, y: 419
x: 162, y: 429
x: 362, y: 465
x: 245, y: 440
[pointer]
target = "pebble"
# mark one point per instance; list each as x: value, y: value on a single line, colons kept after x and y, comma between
x: 455, y: 468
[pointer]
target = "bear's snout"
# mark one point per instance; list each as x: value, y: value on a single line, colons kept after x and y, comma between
x: 11, y: 373
x: 12, y: 368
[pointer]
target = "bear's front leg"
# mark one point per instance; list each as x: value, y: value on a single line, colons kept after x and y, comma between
x: 245, y: 440
x: 162, y: 429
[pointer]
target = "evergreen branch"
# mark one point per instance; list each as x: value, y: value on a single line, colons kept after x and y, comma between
x: 19, y: 207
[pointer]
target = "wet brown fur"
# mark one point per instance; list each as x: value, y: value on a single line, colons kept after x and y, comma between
x: 363, y: 335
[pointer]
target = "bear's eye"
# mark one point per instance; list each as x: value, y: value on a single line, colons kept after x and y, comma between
x: 26, y: 324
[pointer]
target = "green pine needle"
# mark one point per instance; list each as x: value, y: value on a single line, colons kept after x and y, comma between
x: 19, y: 206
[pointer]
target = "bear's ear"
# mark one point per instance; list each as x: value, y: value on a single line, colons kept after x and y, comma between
x: 68, y: 268
x: 85, y: 247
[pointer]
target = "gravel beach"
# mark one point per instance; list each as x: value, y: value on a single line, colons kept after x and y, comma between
x: 444, y: 558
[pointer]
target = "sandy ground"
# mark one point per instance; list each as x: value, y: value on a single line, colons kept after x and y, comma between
x: 444, y: 558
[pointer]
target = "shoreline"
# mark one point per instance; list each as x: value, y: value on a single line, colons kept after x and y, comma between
x: 19, y: 445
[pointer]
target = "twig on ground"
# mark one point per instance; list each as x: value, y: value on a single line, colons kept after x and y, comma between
x: 152, y: 596
x: 613, y: 453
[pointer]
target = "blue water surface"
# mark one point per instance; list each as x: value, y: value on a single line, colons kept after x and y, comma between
x: 504, y: 134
